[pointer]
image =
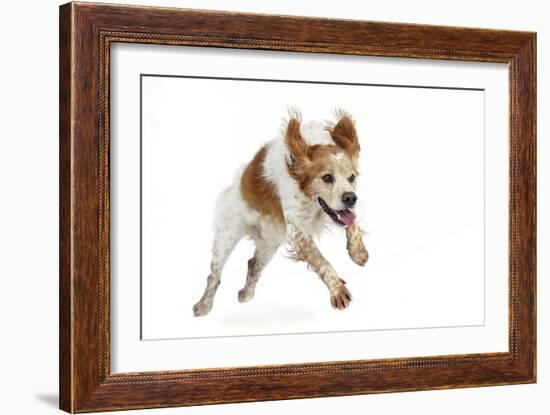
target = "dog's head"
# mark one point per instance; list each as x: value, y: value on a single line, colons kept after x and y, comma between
x: 326, y: 173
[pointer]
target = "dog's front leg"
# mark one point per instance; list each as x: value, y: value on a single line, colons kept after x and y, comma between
x: 356, y: 249
x: 305, y: 250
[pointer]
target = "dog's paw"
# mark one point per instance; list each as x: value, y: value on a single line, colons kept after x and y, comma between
x: 202, y: 308
x: 341, y: 297
x: 245, y: 295
x: 359, y: 255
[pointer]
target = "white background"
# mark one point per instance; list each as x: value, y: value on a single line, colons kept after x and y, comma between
x: 405, y: 207
x: 28, y: 221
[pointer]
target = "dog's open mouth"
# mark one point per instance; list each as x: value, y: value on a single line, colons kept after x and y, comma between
x: 342, y: 217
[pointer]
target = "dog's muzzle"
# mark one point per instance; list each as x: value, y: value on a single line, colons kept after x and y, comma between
x: 342, y: 217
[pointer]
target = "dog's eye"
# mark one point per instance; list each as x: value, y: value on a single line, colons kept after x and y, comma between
x: 327, y: 178
x: 351, y: 178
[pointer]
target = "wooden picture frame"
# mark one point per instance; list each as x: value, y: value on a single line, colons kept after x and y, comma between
x: 86, y: 33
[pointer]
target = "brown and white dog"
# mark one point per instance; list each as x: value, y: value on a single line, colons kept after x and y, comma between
x: 293, y: 187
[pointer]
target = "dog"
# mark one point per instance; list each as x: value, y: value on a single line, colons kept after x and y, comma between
x: 292, y: 189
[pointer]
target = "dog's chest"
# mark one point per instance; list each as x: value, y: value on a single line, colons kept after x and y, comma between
x: 307, y: 217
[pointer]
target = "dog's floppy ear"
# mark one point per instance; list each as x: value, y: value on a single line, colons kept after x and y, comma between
x: 294, y: 141
x: 343, y: 133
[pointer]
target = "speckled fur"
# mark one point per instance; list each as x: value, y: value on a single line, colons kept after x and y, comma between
x: 356, y: 249
x: 239, y: 214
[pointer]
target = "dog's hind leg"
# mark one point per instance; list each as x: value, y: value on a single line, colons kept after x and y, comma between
x: 262, y: 255
x: 229, y: 231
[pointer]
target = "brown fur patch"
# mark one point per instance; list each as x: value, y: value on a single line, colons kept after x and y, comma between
x: 294, y: 141
x: 257, y: 192
x: 344, y: 135
x: 318, y: 156
x: 316, y: 163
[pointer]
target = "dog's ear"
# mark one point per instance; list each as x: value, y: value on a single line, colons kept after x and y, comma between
x: 294, y: 141
x: 343, y: 133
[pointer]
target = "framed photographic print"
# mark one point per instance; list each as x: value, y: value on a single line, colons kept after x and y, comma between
x: 258, y: 207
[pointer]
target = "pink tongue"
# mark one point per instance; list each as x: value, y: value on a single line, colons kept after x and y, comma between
x: 346, y: 216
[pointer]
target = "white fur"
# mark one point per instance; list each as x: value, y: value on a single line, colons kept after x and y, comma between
x: 315, y: 132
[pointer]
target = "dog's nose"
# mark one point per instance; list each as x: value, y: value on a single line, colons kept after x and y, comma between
x: 349, y: 199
